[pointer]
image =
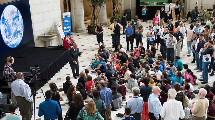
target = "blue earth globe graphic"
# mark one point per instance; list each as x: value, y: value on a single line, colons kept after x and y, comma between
x: 12, y: 26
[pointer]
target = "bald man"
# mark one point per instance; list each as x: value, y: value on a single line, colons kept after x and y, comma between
x: 22, y: 92
x: 154, y: 104
x: 200, y: 107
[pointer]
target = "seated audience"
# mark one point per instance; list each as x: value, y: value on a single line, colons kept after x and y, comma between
x: 90, y: 112
x: 67, y: 84
x: 75, y: 106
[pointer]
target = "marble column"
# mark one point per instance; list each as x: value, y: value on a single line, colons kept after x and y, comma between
x: 77, y: 14
x: 103, y: 15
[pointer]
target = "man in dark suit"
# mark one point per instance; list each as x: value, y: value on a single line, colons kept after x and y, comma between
x: 116, y: 35
x: 74, y: 61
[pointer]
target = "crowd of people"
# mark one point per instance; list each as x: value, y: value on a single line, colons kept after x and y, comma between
x: 162, y: 85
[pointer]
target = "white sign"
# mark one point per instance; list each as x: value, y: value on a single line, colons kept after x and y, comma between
x: 60, y: 30
x: 206, y: 58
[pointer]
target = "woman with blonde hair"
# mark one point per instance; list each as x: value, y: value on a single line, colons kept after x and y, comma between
x: 90, y: 112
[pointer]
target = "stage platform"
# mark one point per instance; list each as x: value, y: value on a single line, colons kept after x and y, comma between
x: 50, y: 60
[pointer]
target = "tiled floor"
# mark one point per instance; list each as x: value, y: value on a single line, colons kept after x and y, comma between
x: 88, y: 44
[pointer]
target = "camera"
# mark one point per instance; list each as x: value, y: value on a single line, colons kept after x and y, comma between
x: 35, y: 70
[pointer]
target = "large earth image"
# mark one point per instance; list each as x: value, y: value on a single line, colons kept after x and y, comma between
x: 12, y: 26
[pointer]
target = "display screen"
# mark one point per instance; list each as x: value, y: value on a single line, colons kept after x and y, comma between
x: 15, y: 26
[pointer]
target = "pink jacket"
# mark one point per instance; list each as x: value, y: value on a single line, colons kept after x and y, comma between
x: 155, y: 19
x: 188, y: 76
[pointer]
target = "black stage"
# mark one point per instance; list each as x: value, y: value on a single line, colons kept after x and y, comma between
x: 50, y: 60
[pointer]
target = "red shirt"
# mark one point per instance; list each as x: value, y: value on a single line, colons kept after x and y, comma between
x: 137, y: 53
x: 66, y: 44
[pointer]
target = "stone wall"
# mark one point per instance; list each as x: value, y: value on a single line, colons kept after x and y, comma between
x: 129, y: 4
x: 45, y: 14
x: 207, y: 4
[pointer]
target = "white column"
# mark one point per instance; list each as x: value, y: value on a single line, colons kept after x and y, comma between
x: 103, y: 15
x: 77, y: 14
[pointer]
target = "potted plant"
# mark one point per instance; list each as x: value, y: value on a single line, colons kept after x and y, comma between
x: 96, y: 6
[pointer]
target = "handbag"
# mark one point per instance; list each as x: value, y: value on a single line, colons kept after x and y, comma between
x: 104, y: 111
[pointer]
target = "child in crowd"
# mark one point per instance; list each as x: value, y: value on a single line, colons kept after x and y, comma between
x: 122, y: 89
x: 127, y: 114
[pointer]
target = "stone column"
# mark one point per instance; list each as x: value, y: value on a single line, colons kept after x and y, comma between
x: 62, y: 8
x: 103, y: 15
x: 77, y: 14
x: 133, y: 8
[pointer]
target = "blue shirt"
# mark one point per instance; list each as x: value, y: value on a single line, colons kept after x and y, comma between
x: 13, y: 117
x: 178, y: 64
x: 129, y: 31
x: 103, y: 67
x: 50, y: 109
x: 178, y: 36
x: 197, y: 30
x: 175, y: 79
x: 106, y: 95
x: 136, y: 104
x: 154, y: 105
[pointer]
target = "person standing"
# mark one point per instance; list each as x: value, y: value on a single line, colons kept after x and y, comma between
x: 106, y: 96
x: 129, y: 32
x: 190, y: 36
x: 9, y: 74
x: 162, y: 16
x: 144, y: 13
x: 99, y: 33
x: 209, y: 49
x: 199, y: 108
x: 164, y: 36
x: 179, y: 37
x: 22, y: 93
x: 199, y: 45
x: 138, y: 33
x: 68, y: 42
x: 116, y: 35
x: 172, y: 109
x: 177, y: 11
x: 170, y: 43
x: 74, y: 63
x: 124, y: 22
x: 49, y: 108
x: 145, y: 91
x: 154, y: 104
x: 135, y: 103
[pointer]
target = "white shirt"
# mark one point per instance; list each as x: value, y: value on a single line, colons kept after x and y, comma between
x: 191, y: 87
x: 170, y: 43
x: 158, y: 74
x: 155, y: 28
x: 182, y: 30
x: 21, y: 89
x: 127, y: 74
x: 172, y: 110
